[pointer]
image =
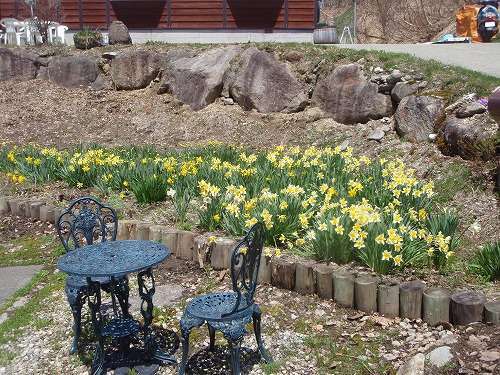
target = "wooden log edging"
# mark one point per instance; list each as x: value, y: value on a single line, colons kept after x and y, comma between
x: 364, y: 292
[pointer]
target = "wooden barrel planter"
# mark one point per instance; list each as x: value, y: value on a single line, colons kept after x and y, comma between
x: 325, y: 35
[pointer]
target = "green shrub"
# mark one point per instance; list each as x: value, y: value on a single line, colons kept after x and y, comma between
x: 87, y: 39
x: 486, y: 262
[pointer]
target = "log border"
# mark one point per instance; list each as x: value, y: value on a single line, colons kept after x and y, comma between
x: 273, y: 269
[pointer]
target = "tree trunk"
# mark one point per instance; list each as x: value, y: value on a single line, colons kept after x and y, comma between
x: 467, y: 306
x: 185, y: 245
x: 436, y: 306
x: 410, y: 299
x: 388, y: 299
x: 265, y: 270
x: 169, y: 239
x: 365, y: 293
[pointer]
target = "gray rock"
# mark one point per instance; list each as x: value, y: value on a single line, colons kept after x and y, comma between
x: 394, y: 77
x: 349, y: 98
x: 101, y: 83
x: 263, y: 83
x: 440, y: 357
x: 294, y: 56
x: 489, y: 356
x: 402, y: 90
x: 198, y: 81
x: 415, y: 366
x: 376, y: 135
x: 135, y: 70
x: 73, y: 71
x: 470, y: 110
x: 228, y: 101
x: 109, y: 55
x: 418, y: 116
x: 3, y: 317
x: 118, y: 33
x: 470, y: 138
x: 18, y: 64
x: 378, y: 70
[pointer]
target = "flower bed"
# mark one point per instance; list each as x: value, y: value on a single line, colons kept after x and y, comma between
x: 322, y: 202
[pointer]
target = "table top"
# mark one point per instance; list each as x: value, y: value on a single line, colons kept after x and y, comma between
x: 113, y: 258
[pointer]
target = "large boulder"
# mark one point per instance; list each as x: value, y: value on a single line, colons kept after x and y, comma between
x: 349, y: 98
x: 135, y: 70
x: 471, y: 137
x: 402, y: 90
x: 17, y: 64
x: 198, y: 81
x: 263, y: 83
x: 419, y: 116
x: 72, y: 71
x: 118, y: 33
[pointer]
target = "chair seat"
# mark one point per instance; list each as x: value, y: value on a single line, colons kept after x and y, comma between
x: 217, y: 306
x: 80, y: 282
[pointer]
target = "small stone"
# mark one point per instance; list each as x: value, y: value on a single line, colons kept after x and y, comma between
x: 378, y: 70
x: 440, y: 357
x: 228, y: 101
x: 432, y: 137
x: 415, y: 366
x: 389, y: 357
x: 470, y: 110
x: 376, y: 135
x: 489, y: 356
x: 109, y: 55
x: 423, y: 84
x: 3, y: 317
x: 394, y: 77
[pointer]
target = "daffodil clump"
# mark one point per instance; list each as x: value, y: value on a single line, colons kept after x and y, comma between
x: 325, y: 202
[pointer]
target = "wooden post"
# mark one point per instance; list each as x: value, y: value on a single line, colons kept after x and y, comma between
x: 221, y: 253
x: 35, y: 209
x: 492, y: 312
x: 323, y: 280
x: 265, y: 270
x: 57, y: 214
x: 283, y: 272
x: 388, y: 299
x: 169, y: 239
x: 343, y: 288
x: 436, y: 306
x: 185, y: 245
x: 4, y: 206
x: 14, y: 206
x: 304, y: 277
x: 127, y: 229
x: 467, y: 306
x: 410, y: 299
x: 155, y: 232
x: 365, y: 293
x: 24, y: 209
x: 47, y: 214
x: 143, y: 231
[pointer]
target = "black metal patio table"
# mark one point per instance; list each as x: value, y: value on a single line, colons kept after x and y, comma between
x: 108, y: 262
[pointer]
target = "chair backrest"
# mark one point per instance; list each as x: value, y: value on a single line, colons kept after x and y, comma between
x: 86, y: 221
x: 245, y: 262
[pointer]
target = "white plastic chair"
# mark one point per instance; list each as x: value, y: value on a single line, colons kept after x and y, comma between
x: 14, y: 30
x: 57, y: 33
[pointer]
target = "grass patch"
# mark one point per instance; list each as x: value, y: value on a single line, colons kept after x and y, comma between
x: 30, y: 251
x: 457, y: 177
x: 29, y: 314
x: 354, y: 357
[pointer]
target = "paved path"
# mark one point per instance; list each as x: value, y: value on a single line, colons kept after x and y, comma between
x: 484, y: 58
x: 14, y: 278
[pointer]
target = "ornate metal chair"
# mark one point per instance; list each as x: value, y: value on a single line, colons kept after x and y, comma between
x: 229, y: 312
x: 85, y: 222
